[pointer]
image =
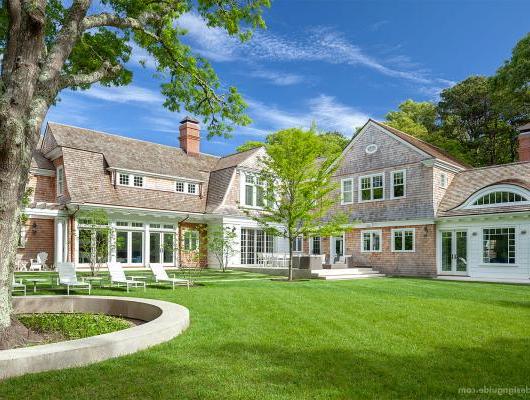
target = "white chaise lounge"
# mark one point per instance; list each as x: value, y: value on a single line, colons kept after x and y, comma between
x: 161, y: 276
x: 117, y: 276
x: 68, y: 278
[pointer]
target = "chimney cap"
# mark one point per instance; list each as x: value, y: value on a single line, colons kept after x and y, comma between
x: 187, y: 118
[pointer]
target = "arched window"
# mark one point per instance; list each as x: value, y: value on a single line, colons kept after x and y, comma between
x: 499, y: 195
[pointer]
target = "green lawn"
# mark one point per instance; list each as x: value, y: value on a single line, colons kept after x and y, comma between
x: 262, y: 339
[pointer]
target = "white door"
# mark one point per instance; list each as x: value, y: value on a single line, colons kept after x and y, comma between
x: 453, y: 252
x: 337, y: 248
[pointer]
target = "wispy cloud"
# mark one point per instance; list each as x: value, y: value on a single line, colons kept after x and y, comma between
x: 124, y: 94
x: 277, y: 78
x: 328, y: 113
x: 321, y: 44
x: 377, y: 25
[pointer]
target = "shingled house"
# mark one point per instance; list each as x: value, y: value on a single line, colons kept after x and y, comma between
x: 415, y: 210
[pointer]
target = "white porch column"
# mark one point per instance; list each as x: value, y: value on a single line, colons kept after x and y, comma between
x: 60, y: 230
x: 113, y: 241
x: 176, y: 247
x: 147, y: 244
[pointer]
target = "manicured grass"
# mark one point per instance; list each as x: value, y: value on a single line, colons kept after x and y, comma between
x: 73, y: 326
x: 374, y: 339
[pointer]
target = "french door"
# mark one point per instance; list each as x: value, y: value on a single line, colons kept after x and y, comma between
x: 161, y: 247
x: 337, y: 248
x: 454, y: 252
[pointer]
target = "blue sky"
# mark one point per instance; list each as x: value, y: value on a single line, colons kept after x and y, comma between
x: 333, y: 62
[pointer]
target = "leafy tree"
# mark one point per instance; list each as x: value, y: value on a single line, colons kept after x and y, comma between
x: 222, y: 243
x: 95, y: 238
x: 298, y: 185
x: 249, y: 145
x: 515, y: 73
x: 470, y: 113
x: 415, y: 118
x: 51, y: 45
x: 333, y: 143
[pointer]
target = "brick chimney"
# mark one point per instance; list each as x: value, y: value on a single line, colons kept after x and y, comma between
x: 524, y: 142
x: 190, y: 136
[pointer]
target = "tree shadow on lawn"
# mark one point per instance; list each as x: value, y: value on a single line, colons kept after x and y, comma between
x: 240, y: 370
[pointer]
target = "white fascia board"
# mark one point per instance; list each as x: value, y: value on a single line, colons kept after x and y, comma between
x: 131, y: 210
x: 42, y: 172
x: 383, y: 224
x: 44, y: 213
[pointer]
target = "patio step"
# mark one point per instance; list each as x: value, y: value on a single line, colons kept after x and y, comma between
x: 346, y: 273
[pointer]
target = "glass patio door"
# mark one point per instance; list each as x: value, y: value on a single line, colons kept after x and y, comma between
x: 454, y: 252
x: 161, y: 247
x: 337, y: 248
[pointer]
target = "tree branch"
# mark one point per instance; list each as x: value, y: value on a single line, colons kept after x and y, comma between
x: 14, y: 12
x: 86, y: 79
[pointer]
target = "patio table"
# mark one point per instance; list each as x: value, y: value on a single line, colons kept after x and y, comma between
x: 35, y: 281
x: 91, y: 279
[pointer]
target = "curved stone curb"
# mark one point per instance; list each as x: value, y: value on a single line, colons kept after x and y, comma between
x: 165, y: 321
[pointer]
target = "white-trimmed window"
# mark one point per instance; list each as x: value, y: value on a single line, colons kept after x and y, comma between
x: 443, y: 180
x: 399, y: 184
x: 179, y: 187
x: 371, y: 187
x: 123, y: 179
x: 191, y: 240
x: 498, y: 196
x: 186, y: 187
x: 192, y: 188
x: 130, y: 247
x: 316, y: 245
x: 253, y: 191
x: 371, y: 241
x: 298, y: 244
x: 498, y: 245
x: 138, y: 181
x: 403, y: 240
x: 59, y: 173
x: 346, y: 193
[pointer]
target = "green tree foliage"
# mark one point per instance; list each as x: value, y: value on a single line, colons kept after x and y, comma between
x: 414, y: 118
x: 333, y: 143
x: 222, y: 243
x: 298, y: 187
x: 249, y: 145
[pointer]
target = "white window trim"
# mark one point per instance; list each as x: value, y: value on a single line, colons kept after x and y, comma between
x: 497, y: 188
x: 301, y: 244
x: 129, y: 231
x: 443, y: 186
x: 342, y: 202
x: 404, y: 171
x: 371, y: 231
x: 311, y: 238
x: 243, y: 191
x: 185, y: 189
x: 403, y: 230
x: 59, y: 188
x: 130, y: 181
x: 503, y: 265
x: 359, y: 188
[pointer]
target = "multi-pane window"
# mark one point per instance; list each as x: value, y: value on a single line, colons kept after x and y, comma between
x: 191, y: 240
x: 315, y: 245
x: 122, y: 223
x: 138, y: 181
x: 398, y: 184
x: 124, y: 179
x: 60, y: 180
x: 403, y: 240
x: 130, y: 247
x: 254, y: 241
x: 192, y: 188
x: 168, y: 226
x: 254, y: 191
x: 371, y: 187
x: 371, y: 241
x: 154, y: 226
x: 137, y: 225
x: 499, y: 198
x: 179, y: 187
x: 443, y: 180
x: 297, y: 244
x: 347, y: 191
x: 499, y: 245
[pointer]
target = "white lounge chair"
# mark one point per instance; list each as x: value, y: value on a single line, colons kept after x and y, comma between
x: 18, y: 286
x: 161, y: 276
x: 68, y: 277
x: 118, y: 276
x: 39, y: 263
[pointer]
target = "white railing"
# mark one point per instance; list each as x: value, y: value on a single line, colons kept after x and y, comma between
x: 277, y: 260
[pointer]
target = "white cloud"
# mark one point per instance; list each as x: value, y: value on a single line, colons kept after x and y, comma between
x: 124, y: 94
x: 325, y: 111
x: 278, y: 78
x: 318, y: 45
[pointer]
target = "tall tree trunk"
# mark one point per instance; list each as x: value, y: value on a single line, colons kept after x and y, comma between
x: 290, y: 259
x: 20, y: 121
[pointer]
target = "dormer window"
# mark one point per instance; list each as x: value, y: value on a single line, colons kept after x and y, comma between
x: 179, y: 187
x: 124, y: 179
x: 253, y: 191
x: 192, y: 188
x: 498, y: 196
x: 138, y: 181
x: 186, y: 187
